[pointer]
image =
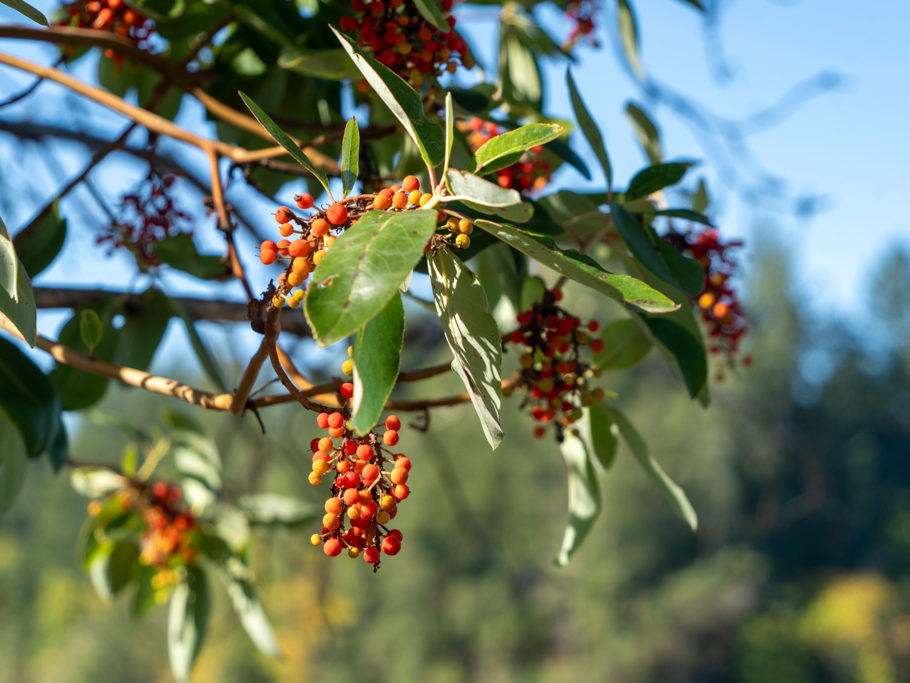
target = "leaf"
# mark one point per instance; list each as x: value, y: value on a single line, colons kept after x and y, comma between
x: 472, y: 336
x: 90, y: 329
x: 187, y: 621
x: 13, y: 461
x: 504, y: 150
x: 147, y: 317
x: 29, y: 399
x: 18, y: 306
x: 249, y: 609
x: 697, y: 4
x: 656, y: 177
x: 112, y: 567
x: 622, y: 288
x: 79, y: 389
x: 600, y: 432
x: 685, y: 214
x: 39, y: 243
x: 667, y: 486
x: 646, y: 131
x: 450, y: 132
x: 628, y: 35
x: 584, y: 496
x: 9, y: 268
x: 686, y: 271
x: 590, y: 129
x: 486, y: 197
x: 701, y: 200
x: 624, y: 345
x: 429, y: 10
x: 377, y: 358
x: 521, y: 82
x: 273, y: 510
x: 202, y: 353
x: 329, y: 64
x: 26, y: 10
x: 687, y: 350
x: 96, y: 482
x: 401, y: 100
x: 532, y: 291
x: 362, y: 271
x: 179, y: 251
x: 350, y: 156
x: 286, y: 141
x: 196, y: 458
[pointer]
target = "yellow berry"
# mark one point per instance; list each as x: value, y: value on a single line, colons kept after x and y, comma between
x: 465, y: 227
x: 382, y: 517
x: 279, y: 301
x: 462, y: 241
x: 425, y: 199
x: 316, y: 539
x: 350, y: 351
x: 320, y: 467
x: 314, y: 479
x: 348, y: 367
x: 414, y: 197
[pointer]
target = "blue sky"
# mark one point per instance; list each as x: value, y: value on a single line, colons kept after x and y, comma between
x: 846, y: 145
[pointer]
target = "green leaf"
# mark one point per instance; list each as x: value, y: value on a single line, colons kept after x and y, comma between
x: 504, y: 150
x: 656, y: 177
x: 26, y: 10
x: 9, y: 268
x: 19, y: 305
x: 625, y: 344
x: 13, y: 460
x: 202, y: 353
x: 701, y: 200
x: 274, y: 510
x: 179, y: 251
x: 350, y: 156
x: 377, y: 357
x: 697, y: 4
x: 584, y: 496
x: 147, y: 317
x: 90, y: 329
x: 401, y: 99
x: 429, y: 10
x: 363, y: 269
x: 58, y: 448
x: 450, y: 132
x: 249, y: 609
x: 146, y: 594
x: 685, y: 214
x: 286, y: 141
x: 521, y: 82
x: 28, y: 398
x: 79, y: 389
x: 187, y: 621
x: 686, y: 271
x: 532, y: 291
x: 686, y: 349
x: 646, y: 131
x: 590, y: 129
x: 486, y: 197
x: 196, y: 458
x: 472, y: 336
x: 667, y: 486
x: 622, y: 288
x: 498, y: 273
x: 601, y: 434
x: 628, y: 36
x: 96, y: 482
x: 112, y: 567
x: 39, y: 243
x: 329, y: 64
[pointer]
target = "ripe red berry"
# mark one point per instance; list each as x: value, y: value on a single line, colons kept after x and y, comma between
x: 332, y: 547
x: 390, y: 438
x: 390, y: 546
x: 371, y: 555
x: 336, y: 420
x: 365, y: 452
x: 346, y: 390
x: 392, y: 422
x: 337, y: 214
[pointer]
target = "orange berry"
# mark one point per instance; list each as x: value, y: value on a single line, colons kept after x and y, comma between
x: 410, y: 183
x: 304, y: 201
x: 351, y: 496
x: 387, y: 502
x: 401, y: 491
x: 314, y: 479
x: 392, y: 422
x: 336, y: 432
x: 720, y: 309
x: 414, y: 197
x: 284, y: 215
x: 382, y: 201
x: 317, y: 257
x: 370, y: 474
x: 320, y: 227
x: 365, y: 451
x: 333, y: 547
x: 326, y: 444
x: 403, y: 461
x: 330, y: 521
x: 336, y: 420
x: 400, y: 200
x: 399, y: 475
x: 390, y: 438
x: 337, y: 214
x: 299, y: 248
x: 320, y: 467
x: 322, y: 420
x: 333, y: 505
x: 286, y: 229
x: 267, y: 256
x: 343, y: 466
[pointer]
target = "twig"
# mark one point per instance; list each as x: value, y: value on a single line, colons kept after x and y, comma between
x: 18, y: 97
x: 238, y: 403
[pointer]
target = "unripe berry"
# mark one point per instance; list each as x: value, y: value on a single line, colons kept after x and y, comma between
x: 304, y: 201
x: 382, y: 517
x: 387, y: 502
x: 348, y: 367
x: 399, y: 475
x: 316, y: 539
x: 465, y: 227
x: 462, y: 241
x: 425, y: 199
x: 320, y: 467
x: 330, y: 521
x: 337, y: 214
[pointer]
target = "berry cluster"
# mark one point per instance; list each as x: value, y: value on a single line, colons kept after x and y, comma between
x: 582, y: 12
x: 146, y: 216
x: 720, y: 307
x: 115, y: 16
x: 530, y: 173
x: 553, y: 377
x: 401, y: 39
x: 369, y: 483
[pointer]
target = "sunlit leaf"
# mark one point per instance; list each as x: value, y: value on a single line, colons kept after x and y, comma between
x: 377, y: 357
x: 503, y: 150
x: 628, y: 35
x: 656, y: 177
x: 350, y: 156
x: 584, y: 496
x: 187, y: 621
x: 590, y: 129
x: 429, y: 10
x: 646, y: 131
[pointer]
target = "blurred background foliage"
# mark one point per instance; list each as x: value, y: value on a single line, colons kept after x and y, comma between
x: 800, y: 570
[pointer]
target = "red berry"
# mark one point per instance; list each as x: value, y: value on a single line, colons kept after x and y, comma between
x: 392, y: 422
x: 337, y: 214
x: 304, y: 201
x: 332, y: 547
x: 346, y: 390
x: 390, y: 438
x: 336, y: 420
x: 322, y: 420
x: 371, y: 555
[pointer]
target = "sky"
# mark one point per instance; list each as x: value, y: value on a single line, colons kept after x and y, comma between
x: 845, y: 146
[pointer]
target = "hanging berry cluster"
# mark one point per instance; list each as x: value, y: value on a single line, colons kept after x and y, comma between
x: 718, y: 302
x: 115, y: 16
x: 401, y: 39
x: 582, y: 12
x: 530, y: 173
x: 145, y: 217
x: 553, y: 378
x: 368, y: 484
x: 305, y: 240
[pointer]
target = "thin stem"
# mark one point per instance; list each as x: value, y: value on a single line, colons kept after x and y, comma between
x: 238, y: 403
